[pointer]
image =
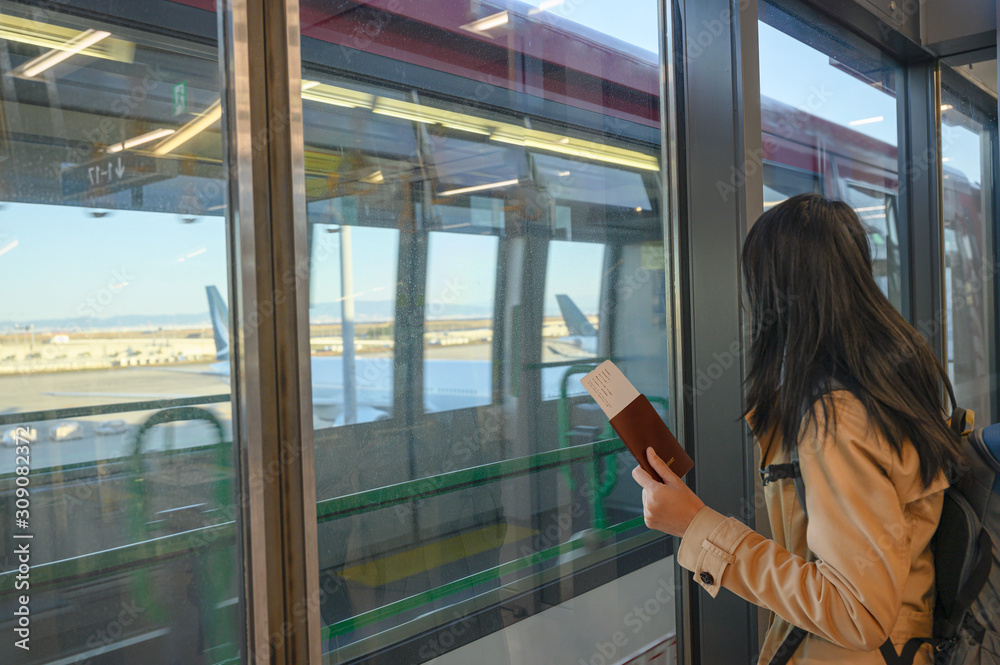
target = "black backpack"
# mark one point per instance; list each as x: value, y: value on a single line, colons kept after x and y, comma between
x: 966, y: 564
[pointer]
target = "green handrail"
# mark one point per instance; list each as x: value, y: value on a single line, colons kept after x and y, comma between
x: 421, y: 488
x: 136, y: 555
x: 213, y: 540
x: 106, y: 409
x: 599, y: 489
x: 490, y: 574
x: 212, y: 567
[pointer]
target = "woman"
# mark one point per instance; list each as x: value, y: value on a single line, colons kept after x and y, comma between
x: 836, y: 372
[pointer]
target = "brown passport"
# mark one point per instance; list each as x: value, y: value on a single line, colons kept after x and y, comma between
x: 640, y: 427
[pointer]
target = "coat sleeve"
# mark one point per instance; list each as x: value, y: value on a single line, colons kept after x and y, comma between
x: 851, y: 595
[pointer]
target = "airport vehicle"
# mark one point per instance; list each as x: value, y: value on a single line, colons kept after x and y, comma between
x: 17, y: 435
x: 110, y: 427
x: 67, y: 430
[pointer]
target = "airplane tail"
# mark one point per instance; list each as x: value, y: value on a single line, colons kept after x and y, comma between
x: 219, y: 314
x: 576, y: 322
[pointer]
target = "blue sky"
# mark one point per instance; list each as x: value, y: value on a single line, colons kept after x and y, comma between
x: 59, y: 261
x: 632, y: 21
x: 461, y: 269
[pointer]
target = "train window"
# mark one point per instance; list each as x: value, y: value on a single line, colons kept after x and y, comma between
x: 352, y: 315
x: 116, y: 464
x: 780, y: 182
x: 573, y: 280
x: 828, y: 115
x: 458, y: 337
x: 513, y: 155
x: 968, y: 141
x: 876, y: 208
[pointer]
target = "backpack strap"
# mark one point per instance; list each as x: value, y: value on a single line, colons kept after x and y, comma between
x: 789, y: 646
x: 909, y: 652
x: 800, y: 485
x: 773, y: 472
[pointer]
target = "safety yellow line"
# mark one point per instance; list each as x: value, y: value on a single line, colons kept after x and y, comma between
x: 394, y: 567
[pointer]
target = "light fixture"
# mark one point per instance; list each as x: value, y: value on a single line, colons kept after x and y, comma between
x: 946, y: 107
x: 946, y: 159
x: 396, y: 108
x: 502, y: 132
x: 866, y: 121
x: 870, y: 208
x: 196, y: 126
x: 48, y: 36
x: 488, y: 23
x: 315, y: 91
x: 66, y: 50
x: 375, y: 178
x: 576, y: 148
x: 479, y: 188
x: 142, y: 138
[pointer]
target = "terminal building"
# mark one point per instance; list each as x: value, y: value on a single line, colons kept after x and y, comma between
x: 298, y: 296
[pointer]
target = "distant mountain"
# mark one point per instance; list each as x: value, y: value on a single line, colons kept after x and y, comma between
x: 371, y: 311
x: 125, y: 322
x: 365, y: 311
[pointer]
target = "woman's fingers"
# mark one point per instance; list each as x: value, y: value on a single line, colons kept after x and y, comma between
x: 661, y: 468
x: 643, y: 478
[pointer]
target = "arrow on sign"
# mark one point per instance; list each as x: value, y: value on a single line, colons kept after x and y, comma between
x: 120, y: 170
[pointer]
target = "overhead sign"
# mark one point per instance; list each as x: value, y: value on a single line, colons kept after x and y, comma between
x: 180, y: 98
x: 111, y: 174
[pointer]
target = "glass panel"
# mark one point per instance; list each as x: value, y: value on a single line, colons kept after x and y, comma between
x: 116, y: 482
x: 352, y: 315
x: 968, y: 140
x: 828, y: 119
x: 503, y: 162
x: 460, y: 293
x: 572, y: 301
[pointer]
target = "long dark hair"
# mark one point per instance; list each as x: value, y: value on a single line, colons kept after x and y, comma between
x: 819, y: 319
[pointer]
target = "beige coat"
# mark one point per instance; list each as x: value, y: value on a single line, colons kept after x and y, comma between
x: 857, y: 571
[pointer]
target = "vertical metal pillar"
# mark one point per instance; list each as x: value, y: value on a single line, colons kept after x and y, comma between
x: 707, y: 60
x: 272, y: 393
x: 921, y: 229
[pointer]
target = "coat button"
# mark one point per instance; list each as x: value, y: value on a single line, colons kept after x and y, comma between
x: 707, y: 579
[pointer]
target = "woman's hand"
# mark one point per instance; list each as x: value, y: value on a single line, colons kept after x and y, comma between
x: 668, y: 506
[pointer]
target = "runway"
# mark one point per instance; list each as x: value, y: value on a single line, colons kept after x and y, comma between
x: 46, y: 391
x: 25, y: 393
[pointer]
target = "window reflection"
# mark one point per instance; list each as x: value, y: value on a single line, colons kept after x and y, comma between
x: 513, y: 153
x: 114, y: 335
x: 968, y: 137
x: 461, y: 282
x: 829, y: 126
x: 572, y: 289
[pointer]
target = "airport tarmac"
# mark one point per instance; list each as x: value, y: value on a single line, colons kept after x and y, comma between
x: 22, y: 393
